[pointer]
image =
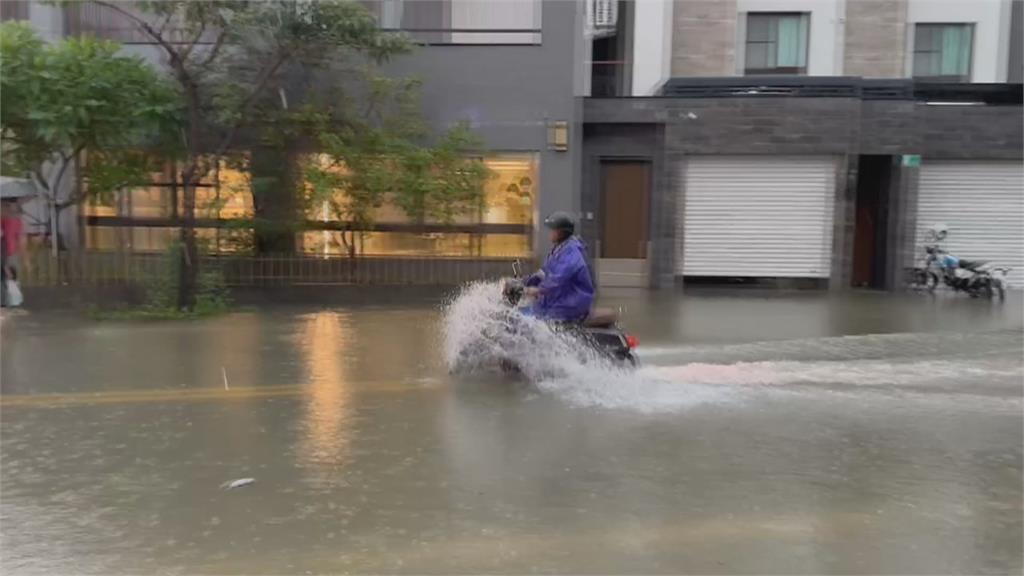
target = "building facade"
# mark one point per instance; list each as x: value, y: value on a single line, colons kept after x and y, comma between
x: 698, y: 140
x: 805, y: 140
x: 512, y: 69
x: 952, y: 40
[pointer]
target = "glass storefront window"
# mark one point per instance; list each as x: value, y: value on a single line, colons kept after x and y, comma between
x: 512, y: 192
x: 225, y: 193
x: 152, y: 202
x: 235, y: 189
x: 505, y: 245
x: 235, y: 240
x: 146, y: 239
x: 102, y: 238
x: 509, y: 195
x: 96, y: 206
x: 509, y: 198
x: 329, y: 243
x: 159, y: 239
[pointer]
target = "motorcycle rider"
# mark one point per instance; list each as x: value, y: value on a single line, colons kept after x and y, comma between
x: 563, y: 289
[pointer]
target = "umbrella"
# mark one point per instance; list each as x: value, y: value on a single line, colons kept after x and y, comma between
x: 14, y: 188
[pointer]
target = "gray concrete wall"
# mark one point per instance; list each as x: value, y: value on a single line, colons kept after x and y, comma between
x: 509, y: 93
x: 821, y: 125
x: 875, y: 38
x: 990, y: 132
x: 1015, y: 70
x: 704, y: 38
x: 766, y: 126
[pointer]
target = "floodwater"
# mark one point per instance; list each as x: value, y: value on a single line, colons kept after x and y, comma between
x: 766, y: 432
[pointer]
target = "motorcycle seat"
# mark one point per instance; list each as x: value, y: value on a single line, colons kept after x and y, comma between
x: 601, y: 318
x: 972, y: 264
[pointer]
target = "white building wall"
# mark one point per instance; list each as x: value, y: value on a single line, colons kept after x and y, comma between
x: 47, y: 20
x: 652, y: 45
x: 825, y: 40
x: 991, y: 19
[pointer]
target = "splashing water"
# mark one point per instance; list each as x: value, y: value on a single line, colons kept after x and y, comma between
x: 481, y: 332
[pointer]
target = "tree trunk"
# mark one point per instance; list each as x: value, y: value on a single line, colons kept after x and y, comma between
x: 188, y: 269
x: 274, y: 199
x: 54, y: 230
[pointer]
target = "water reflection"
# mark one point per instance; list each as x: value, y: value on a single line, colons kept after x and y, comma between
x: 323, y: 341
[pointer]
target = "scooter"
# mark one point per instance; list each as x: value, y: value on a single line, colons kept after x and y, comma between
x: 600, y: 330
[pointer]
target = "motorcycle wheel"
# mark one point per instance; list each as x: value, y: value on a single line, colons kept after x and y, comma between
x: 917, y: 279
x: 931, y: 281
x: 979, y: 289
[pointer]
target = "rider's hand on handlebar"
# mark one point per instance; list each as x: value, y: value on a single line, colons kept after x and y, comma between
x: 532, y: 291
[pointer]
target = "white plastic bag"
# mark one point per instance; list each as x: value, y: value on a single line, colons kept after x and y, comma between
x: 13, y: 293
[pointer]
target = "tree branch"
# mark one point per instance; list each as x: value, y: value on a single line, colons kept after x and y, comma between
x: 172, y: 53
x: 167, y: 20
x: 192, y: 45
x: 216, y: 47
x: 264, y: 79
x: 65, y: 162
x: 41, y: 182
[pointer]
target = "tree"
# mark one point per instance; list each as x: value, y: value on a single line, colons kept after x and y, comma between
x: 227, y: 57
x: 381, y: 156
x: 78, y: 95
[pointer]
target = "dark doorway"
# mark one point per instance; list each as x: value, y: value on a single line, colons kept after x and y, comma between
x: 874, y: 186
x: 624, y: 208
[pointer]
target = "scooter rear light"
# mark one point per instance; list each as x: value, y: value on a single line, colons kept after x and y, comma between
x: 631, y: 341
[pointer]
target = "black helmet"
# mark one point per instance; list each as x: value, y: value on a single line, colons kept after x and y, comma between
x: 561, y: 221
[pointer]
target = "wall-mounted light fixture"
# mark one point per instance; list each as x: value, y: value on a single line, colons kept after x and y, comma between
x: 558, y: 135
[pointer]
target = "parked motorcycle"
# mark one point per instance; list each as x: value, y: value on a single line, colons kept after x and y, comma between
x: 974, y: 277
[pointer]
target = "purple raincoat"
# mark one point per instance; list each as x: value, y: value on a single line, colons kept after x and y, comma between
x: 566, y: 291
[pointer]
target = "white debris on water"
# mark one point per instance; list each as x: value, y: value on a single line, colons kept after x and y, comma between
x: 238, y: 483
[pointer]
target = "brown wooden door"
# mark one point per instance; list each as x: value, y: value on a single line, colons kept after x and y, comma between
x: 624, y: 209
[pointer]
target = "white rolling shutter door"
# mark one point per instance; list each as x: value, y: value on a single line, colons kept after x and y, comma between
x: 758, y: 216
x: 982, y: 204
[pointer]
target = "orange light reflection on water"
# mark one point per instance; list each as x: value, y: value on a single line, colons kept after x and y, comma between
x: 328, y: 403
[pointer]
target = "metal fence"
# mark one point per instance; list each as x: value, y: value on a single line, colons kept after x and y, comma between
x: 116, y: 269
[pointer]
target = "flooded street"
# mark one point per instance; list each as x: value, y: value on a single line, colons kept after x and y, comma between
x: 766, y: 432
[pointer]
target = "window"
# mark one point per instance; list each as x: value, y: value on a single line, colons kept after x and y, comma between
x: 224, y: 192
x: 509, y: 195
x: 776, y: 43
x: 156, y: 239
x: 327, y: 243
x: 461, y: 21
x: 509, y: 198
x: 14, y: 10
x: 943, y: 51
